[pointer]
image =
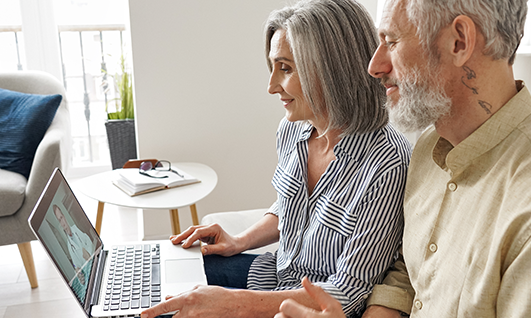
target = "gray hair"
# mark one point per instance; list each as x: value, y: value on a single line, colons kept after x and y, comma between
x: 501, y: 22
x: 332, y: 42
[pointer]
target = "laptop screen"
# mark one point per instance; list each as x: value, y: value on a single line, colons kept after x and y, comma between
x: 67, y: 234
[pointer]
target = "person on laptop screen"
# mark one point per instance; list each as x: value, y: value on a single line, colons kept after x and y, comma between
x: 79, y: 244
x: 340, y: 177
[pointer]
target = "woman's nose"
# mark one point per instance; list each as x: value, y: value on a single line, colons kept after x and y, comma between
x: 380, y: 63
x: 274, y: 86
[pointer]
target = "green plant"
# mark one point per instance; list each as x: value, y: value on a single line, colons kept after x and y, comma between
x: 124, y: 104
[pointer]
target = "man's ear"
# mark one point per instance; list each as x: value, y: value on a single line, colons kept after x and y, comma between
x: 463, y: 36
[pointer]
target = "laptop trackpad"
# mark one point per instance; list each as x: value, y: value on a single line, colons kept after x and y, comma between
x: 184, y: 270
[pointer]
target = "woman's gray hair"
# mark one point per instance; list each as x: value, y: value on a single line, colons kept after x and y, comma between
x: 500, y: 21
x: 332, y: 42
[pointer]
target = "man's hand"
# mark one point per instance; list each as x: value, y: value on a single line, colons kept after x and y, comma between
x: 330, y: 307
x: 381, y: 312
x: 202, y: 301
x: 217, y: 240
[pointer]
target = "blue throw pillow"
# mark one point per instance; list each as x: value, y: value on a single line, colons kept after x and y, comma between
x: 24, y: 119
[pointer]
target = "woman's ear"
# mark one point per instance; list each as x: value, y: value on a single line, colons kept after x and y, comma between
x: 463, y: 35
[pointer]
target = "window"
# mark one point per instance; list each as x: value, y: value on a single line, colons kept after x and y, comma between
x: 11, y: 40
x: 92, y: 36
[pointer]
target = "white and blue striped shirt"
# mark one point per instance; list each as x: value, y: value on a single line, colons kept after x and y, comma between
x: 347, y: 233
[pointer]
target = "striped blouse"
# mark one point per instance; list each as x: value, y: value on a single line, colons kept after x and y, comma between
x: 347, y: 233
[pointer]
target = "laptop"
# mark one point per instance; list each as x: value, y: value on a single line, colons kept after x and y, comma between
x: 120, y: 281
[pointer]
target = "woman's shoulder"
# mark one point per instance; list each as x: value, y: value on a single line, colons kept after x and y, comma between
x: 383, y: 145
x: 396, y: 143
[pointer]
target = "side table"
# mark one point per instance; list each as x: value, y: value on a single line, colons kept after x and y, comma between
x: 100, y: 188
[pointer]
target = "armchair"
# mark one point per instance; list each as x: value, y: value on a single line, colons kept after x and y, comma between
x: 18, y: 195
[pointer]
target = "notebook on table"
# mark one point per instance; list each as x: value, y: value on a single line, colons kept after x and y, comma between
x: 120, y: 281
x: 134, y: 183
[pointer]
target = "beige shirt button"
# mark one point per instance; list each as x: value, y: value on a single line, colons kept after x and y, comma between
x: 433, y: 247
x: 418, y: 304
x: 452, y: 186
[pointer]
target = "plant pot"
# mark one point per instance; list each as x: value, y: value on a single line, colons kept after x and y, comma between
x: 122, y: 141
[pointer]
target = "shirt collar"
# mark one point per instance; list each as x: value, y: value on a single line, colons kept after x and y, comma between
x: 349, y: 144
x: 306, y: 131
x: 487, y: 136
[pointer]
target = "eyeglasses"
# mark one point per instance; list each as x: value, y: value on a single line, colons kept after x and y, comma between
x: 161, y: 165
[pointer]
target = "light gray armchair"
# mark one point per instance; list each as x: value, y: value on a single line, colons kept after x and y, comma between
x: 18, y: 196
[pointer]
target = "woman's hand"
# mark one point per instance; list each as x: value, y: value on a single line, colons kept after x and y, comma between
x: 330, y: 307
x: 217, y: 240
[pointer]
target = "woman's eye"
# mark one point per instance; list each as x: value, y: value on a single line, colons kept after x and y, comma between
x: 285, y: 68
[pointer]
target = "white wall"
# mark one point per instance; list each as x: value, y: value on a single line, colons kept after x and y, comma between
x: 522, y: 68
x: 200, y: 81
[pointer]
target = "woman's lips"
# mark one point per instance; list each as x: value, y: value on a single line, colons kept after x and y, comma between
x: 286, y: 102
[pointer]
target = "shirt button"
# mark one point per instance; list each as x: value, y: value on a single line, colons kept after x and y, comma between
x: 418, y: 304
x: 452, y: 186
x: 433, y: 247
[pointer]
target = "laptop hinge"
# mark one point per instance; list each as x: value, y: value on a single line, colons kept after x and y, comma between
x: 98, y: 278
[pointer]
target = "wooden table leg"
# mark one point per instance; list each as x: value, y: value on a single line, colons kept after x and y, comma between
x: 99, y: 216
x: 29, y: 265
x: 175, y: 226
x: 193, y: 211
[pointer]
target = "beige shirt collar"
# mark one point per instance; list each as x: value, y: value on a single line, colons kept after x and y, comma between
x: 487, y: 136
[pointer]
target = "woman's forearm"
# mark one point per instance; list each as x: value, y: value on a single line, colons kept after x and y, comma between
x: 262, y: 233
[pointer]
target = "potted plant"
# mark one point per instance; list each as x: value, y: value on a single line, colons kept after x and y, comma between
x: 120, y: 124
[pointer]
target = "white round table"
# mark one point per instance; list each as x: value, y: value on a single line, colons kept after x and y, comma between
x: 101, y: 188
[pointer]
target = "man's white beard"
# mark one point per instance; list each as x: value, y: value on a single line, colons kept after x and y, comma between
x: 420, y: 104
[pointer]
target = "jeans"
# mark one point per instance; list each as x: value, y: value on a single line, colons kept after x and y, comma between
x: 230, y: 271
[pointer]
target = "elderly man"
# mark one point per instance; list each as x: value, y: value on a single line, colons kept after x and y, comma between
x: 467, y: 236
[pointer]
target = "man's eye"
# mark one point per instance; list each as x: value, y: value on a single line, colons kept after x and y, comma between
x: 390, y: 43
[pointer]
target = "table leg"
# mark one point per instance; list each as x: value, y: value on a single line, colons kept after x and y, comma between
x: 175, y: 226
x: 193, y: 210
x: 99, y: 216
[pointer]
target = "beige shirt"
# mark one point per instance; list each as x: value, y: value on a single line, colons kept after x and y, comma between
x: 467, y: 245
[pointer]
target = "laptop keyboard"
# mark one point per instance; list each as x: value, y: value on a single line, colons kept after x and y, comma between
x: 134, y: 277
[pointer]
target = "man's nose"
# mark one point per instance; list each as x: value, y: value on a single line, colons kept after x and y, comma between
x: 380, y: 64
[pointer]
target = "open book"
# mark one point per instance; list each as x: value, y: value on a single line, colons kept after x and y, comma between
x: 133, y: 183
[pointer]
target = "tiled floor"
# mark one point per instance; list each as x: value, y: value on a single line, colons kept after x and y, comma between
x: 52, y: 298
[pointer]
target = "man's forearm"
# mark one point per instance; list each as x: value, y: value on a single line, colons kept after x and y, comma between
x: 266, y: 303
x: 395, y: 292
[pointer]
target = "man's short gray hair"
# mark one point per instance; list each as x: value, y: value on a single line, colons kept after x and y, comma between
x: 500, y: 21
x: 332, y: 42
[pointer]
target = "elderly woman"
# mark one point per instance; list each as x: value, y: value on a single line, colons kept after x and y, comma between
x: 340, y: 176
